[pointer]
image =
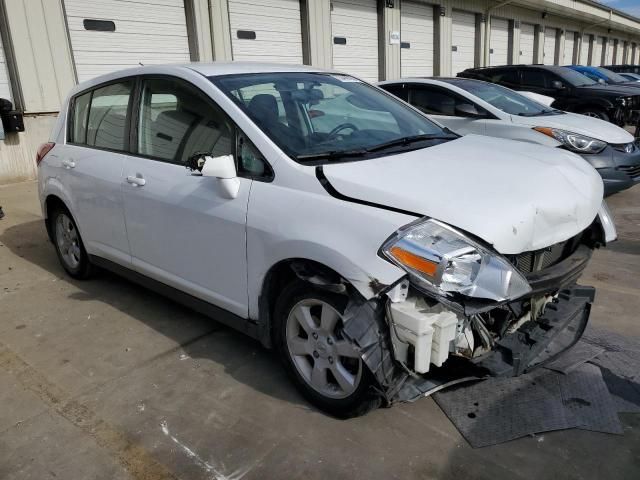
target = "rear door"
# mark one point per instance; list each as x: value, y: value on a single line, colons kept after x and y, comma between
x: 441, y: 104
x: 93, y: 160
x: 182, y: 231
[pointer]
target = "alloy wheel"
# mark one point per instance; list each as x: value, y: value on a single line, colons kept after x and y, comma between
x: 68, y: 241
x: 327, y: 361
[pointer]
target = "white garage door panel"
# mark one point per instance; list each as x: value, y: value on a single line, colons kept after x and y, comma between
x: 499, y: 43
x: 584, y: 50
x: 527, y: 42
x: 464, y: 39
x: 609, y: 53
x: 619, y: 53
x: 277, y: 26
x: 357, y: 21
x: 569, y: 44
x: 549, y: 46
x: 5, y: 90
x: 416, y: 29
x: 596, y: 58
x: 145, y: 34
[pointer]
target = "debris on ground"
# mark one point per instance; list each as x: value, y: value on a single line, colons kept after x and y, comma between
x: 586, y: 388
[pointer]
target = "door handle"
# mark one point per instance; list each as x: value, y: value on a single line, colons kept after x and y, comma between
x: 68, y: 163
x: 136, y: 181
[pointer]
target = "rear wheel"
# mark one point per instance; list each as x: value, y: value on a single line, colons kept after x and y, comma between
x: 324, y: 365
x: 68, y: 243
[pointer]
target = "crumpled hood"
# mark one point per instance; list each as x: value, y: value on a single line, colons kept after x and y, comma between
x: 516, y: 196
x: 573, y: 122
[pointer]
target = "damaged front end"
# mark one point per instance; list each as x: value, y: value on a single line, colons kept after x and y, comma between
x: 464, y: 312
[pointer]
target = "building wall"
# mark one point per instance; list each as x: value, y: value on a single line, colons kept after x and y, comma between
x: 44, y: 71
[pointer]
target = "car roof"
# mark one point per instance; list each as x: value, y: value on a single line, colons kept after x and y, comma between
x: 551, y: 68
x: 230, y: 68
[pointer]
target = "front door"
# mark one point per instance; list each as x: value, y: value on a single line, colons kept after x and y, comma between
x: 182, y: 231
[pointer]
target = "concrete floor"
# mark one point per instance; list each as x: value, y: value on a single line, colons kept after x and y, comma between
x: 105, y: 380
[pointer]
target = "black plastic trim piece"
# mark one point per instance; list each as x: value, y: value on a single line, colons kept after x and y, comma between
x: 561, y: 274
x: 324, y: 181
x: 220, y: 315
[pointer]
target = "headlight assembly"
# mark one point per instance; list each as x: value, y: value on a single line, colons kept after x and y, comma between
x: 574, y: 141
x: 442, y: 260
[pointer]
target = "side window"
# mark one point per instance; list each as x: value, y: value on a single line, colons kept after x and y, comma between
x: 250, y: 162
x: 432, y: 101
x: 399, y: 91
x: 506, y: 77
x: 79, y: 118
x: 107, y: 125
x: 534, y: 78
x: 177, y: 121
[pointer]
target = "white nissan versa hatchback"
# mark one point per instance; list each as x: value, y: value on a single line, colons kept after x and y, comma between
x: 383, y: 256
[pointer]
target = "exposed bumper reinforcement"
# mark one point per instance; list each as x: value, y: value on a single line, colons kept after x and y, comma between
x: 538, y: 342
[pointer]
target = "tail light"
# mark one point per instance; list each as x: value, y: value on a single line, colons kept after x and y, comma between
x: 43, y: 150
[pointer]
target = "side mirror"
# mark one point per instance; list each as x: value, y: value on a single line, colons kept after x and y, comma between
x: 468, y: 110
x: 558, y: 85
x: 224, y: 169
x: 601, y: 81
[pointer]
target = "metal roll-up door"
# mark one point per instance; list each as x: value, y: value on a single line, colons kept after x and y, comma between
x: 569, y: 46
x: 108, y: 35
x: 596, y: 57
x: 527, y: 42
x: 416, y: 33
x: 463, y: 34
x: 266, y: 30
x: 499, y: 42
x: 619, y: 53
x: 549, y: 46
x: 354, y: 31
x: 584, y: 50
x: 5, y: 89
x: 608, y: 56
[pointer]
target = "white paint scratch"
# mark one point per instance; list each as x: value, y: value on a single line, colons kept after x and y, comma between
x: 208, y: 467
x: 184, y: 357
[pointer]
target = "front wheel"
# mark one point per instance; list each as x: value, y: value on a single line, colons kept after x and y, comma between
x: 595, y: 113
x: 324, y: 365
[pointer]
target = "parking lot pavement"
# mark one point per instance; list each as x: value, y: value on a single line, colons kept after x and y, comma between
x: 103, y: 379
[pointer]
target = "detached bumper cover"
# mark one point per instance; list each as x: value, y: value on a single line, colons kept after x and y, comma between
x: 540, y: 341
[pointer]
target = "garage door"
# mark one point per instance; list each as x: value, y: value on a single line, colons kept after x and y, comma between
x: 549, y: 46
x: 596, y: 58
x: 584, y: 50
x: 499, y: 42
x: 463, y: 35
x: 569, y: 45
x: 619, y: 52
x: 266, y: 30
x: 416, y: 32
x: 354, y: 28
x: 108, y: 35
x: 5, y: 91
x: 527, y: 42
x: 608, y: 58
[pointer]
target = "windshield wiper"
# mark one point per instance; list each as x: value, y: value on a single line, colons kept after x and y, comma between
x: 331, y: 155
x: 405, y: 141
x: 540, y: 113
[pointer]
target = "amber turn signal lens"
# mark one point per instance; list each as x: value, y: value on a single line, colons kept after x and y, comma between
x: 546, y: 130
x: 414, y: 261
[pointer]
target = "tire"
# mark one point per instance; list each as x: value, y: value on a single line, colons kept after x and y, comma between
x: 338, y: 384
x: 68, y: 244
x: 595, y: 112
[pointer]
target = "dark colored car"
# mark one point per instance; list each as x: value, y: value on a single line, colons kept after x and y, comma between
x: 572, y: 91
x: 623, y: 68
x: 604, y: 75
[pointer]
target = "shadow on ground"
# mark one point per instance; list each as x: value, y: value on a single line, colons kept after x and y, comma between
x: 30, y: 241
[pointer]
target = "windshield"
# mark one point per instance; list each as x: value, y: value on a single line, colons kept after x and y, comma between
x: 575, y: 78
x: 504, y: 99
x: 310, y: 115
x: 612, y: 77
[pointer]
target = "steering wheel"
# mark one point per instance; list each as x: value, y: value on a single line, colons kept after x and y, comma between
x: 342, y: 126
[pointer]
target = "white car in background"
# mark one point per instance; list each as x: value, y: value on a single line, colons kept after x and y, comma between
x: 473, y: 106
x: 376, y: 251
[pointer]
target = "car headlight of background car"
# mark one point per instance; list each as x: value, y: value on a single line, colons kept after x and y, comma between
x: 442, y: 260
x: 574, y: 141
